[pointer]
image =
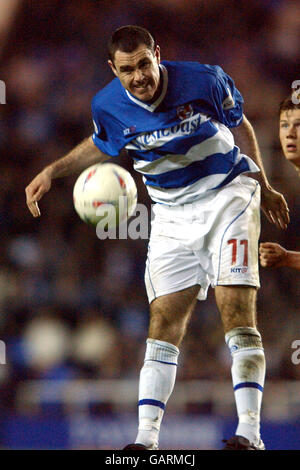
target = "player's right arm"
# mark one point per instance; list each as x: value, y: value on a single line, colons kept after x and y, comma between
x: 82, y: 156
x: 273, y: 255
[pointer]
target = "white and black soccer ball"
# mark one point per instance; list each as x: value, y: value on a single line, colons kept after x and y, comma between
x: 105, y: 194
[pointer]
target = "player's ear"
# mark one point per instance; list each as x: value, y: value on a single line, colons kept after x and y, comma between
x: 110, y: 63
x: 157, y: 53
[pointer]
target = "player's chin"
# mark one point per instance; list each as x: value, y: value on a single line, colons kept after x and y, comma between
x: 144, y: 94
x: 292, y: 155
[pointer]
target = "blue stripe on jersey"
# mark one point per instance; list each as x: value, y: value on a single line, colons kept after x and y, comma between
x: 241, y: 167
x: 218, y: 163
x: 248, y: 385
x: 149, y: 401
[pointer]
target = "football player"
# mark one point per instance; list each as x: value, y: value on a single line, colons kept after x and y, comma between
x: 184, y: 126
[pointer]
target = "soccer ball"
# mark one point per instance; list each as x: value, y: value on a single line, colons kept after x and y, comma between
x: 105, y: 195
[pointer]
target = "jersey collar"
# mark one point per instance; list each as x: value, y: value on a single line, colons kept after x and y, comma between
x: 151, y: 107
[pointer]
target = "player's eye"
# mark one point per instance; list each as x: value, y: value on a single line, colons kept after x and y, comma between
x: 126, y: 71
x: 144, y: 65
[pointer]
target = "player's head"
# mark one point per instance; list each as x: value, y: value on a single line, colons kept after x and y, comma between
x: 289, y: 129
x: 134, y: 59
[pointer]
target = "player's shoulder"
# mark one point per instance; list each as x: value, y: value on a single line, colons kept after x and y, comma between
x: 107, y: 95
x: 188, y: 67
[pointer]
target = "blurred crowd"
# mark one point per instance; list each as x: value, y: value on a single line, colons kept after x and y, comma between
x: 72, y: 305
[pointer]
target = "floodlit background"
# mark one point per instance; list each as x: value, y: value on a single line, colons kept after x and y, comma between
x: 73, y: 309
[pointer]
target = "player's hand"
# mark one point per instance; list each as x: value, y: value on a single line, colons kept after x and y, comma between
x: 275, y: 207
x: 35, y: 191
x: 272, y: 255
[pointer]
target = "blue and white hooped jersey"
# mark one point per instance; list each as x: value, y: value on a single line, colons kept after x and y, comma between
x: 181, y: 143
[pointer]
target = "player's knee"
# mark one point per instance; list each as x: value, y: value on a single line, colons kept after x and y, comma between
x: 167, y: 328
x: 237, y: 305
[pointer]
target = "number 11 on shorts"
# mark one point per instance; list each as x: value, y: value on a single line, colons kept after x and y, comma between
x: 243, y: 244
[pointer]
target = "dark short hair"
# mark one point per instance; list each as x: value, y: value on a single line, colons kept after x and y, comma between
x: 128, y: 38
x: 289, y: 102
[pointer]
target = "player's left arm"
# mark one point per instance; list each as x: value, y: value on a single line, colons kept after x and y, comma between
x: 272, y: 202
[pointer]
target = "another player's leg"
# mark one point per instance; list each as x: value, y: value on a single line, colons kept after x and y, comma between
x: 169, y: 317
x: 237, y: 305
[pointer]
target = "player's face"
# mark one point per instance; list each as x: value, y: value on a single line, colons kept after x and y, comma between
x: 289, y: 134
x: 138, y: 71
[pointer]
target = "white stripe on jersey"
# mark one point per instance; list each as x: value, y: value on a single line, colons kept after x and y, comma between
x: 222, y: 142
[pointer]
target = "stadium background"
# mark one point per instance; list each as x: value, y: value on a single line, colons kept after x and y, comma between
x: 73, y: 309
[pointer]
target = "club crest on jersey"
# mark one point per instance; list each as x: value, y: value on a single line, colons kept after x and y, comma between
x: 185, y: 111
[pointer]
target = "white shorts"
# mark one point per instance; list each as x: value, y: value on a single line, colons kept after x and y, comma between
x: 213, y: 241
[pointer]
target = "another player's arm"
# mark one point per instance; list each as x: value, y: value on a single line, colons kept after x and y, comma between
x: 81, y: 157
x: 273, y: 203
x: 273, y: 255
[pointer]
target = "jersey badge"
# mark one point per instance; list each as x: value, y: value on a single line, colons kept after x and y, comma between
x: 185, y: 111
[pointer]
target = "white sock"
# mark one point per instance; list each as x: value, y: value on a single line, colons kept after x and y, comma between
x: 157, y: 379
x: 248, y: 375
